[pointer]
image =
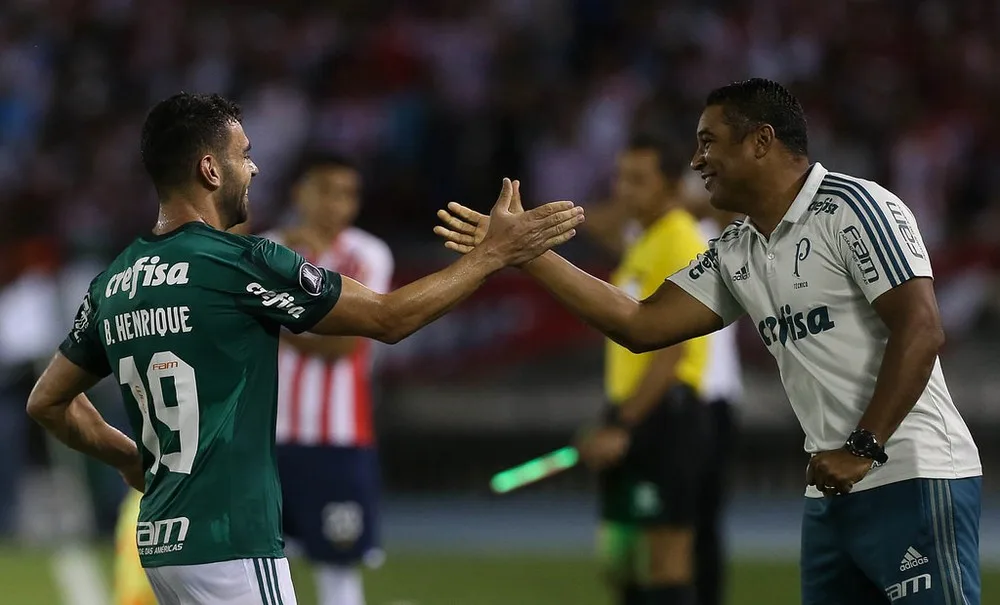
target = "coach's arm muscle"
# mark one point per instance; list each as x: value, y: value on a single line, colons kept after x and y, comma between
x: 668, y: 317
x: 910, y: 311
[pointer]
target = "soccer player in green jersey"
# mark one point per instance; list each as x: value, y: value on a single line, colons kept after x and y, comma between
x: 187, y: 319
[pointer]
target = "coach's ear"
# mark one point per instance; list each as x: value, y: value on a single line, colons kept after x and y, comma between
x: 763, y: 140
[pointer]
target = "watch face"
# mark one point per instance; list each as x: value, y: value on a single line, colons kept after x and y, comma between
x: 862, y: 440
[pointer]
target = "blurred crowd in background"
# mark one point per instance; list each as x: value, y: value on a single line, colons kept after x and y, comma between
x: 438, y: 99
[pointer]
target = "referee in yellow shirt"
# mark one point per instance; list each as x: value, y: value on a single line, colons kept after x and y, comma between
x: 131, y: 585
x: 646, y: 450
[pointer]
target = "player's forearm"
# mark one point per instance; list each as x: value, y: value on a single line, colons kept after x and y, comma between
x: 79, y: 425
x: 906, y: 367
x: 419, y: 303
x: 593, y: 300
x: 660, y: 376
x: 328, y: 347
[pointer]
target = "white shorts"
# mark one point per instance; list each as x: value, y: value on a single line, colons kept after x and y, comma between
x: 238, y: 582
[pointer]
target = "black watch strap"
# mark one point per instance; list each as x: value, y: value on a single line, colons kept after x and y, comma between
x: 862, y: 443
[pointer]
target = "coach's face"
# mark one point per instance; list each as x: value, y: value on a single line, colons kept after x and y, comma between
x: 329, y: 197
x: 726, y: 164
x: 234, y: 194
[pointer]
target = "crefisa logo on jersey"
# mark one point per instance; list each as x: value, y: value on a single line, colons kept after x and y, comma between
x: 147, y: 275
x: 279, y: 300
x: 708, y: 260
x: 794, y: 325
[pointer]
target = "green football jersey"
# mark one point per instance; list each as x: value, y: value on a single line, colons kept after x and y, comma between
x: 188, y: 323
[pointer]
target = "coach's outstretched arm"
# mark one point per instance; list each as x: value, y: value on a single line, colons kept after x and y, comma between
x: 513, y: 239
x: 668, y: 317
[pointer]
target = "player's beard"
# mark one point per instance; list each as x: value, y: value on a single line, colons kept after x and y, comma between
x: 235, y: 201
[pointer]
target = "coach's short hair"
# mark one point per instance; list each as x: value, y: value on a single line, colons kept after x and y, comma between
x: 750, y: 104
x: 178, y: 130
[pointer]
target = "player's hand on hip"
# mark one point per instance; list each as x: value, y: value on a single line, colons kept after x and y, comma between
x: 837, y: 471
x: 603, y: 448
x: 133, y: 474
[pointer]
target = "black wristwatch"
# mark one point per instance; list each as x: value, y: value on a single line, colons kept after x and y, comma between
x: 863, y: 444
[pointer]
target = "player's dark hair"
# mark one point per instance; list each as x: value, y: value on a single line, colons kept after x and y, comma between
x: 750, y: 104
x: 312, y: 159
x: 672, y: 163
x: 178, y: 130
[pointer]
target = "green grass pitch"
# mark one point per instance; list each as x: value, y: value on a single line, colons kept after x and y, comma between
x: 455, y: 579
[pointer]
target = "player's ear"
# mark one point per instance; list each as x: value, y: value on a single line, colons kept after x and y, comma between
x: 210, y: 171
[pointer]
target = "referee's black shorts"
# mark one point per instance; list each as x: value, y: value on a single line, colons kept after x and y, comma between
x: 657, y: 483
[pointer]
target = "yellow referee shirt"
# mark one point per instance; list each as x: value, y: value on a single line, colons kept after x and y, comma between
x: 131, y: 585
x: 666, y: 247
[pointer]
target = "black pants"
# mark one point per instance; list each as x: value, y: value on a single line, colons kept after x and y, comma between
x: 710, y: 548
x: 658, y: 481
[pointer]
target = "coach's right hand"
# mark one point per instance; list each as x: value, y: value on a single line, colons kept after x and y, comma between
x: 516, y: 235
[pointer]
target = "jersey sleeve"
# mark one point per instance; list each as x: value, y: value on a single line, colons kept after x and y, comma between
x: 83, y: 344
x: 880, y: 243
x: 283, y: 287
x: 704, y: 280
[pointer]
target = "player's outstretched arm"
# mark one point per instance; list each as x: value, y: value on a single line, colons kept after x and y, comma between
x: 57, y: 403
x: 512, y: 239
x: 668, y: 317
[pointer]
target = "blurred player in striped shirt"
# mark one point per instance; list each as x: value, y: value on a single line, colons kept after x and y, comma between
x: 326, y: 443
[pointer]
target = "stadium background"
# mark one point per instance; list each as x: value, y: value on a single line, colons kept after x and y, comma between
x: 437, y: 100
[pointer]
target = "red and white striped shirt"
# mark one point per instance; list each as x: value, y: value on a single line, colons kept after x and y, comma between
x: 328, y: 402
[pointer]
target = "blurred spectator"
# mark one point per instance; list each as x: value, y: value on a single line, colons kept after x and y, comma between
x: 441, y: 97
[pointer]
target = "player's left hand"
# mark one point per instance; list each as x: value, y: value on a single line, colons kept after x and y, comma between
x: 604, y: 447
x: 133, y: 473
x: 837, y: 471
x: 464, y: 228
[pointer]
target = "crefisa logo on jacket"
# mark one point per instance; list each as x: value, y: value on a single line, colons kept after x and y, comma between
x: 794, y: 326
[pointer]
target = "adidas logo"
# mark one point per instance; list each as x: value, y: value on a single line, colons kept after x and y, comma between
x: 912, y: 559
x: 742, y: 274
